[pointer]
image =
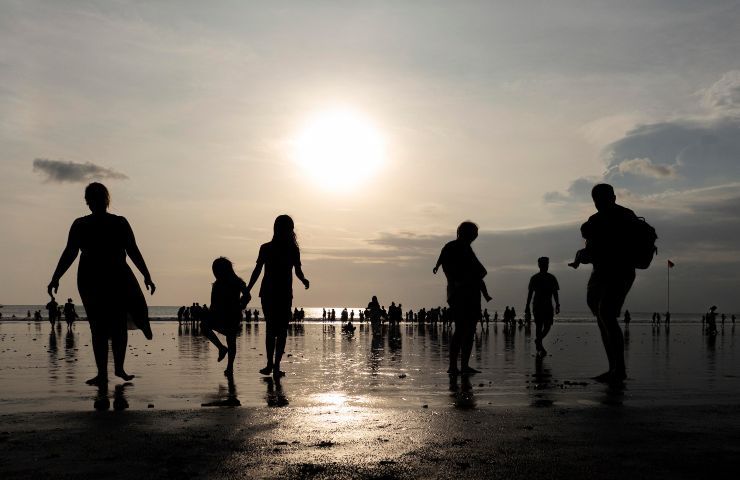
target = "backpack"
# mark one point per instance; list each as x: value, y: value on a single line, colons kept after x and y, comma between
x: 643, y: 244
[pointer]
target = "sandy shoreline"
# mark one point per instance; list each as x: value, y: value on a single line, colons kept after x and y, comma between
x: 595, y: 442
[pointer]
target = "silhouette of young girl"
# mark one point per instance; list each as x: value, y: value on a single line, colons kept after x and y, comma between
x: 229, y: 296
x: 279, y: 257
x: 110, y: 292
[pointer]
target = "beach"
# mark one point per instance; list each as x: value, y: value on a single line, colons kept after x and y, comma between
x: 371, y: 406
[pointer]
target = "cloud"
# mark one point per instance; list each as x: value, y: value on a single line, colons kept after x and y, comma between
x: 61, y: 171
x: 646, y: 168
x: 676, y: 155
x: 724, y: 95
x: 578, y: 191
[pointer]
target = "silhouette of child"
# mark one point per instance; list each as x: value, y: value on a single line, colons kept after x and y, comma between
x: 229, y: 296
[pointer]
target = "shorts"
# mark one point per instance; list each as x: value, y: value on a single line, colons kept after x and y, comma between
x: 465, y: 313
x: 278, y: 314
x: 543, y: 314
x: 607, y: 291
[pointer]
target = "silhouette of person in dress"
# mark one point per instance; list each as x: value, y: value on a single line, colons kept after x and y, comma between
x: 109, y: 290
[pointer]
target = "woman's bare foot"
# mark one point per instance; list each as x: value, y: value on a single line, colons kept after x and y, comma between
x: 97, y: 380
x: 124, y: 375
x: 605, y: 377
x: 267, y: 370
x: 453, y: 370
x: 276, y: 373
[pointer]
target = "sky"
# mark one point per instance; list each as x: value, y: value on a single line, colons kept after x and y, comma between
x: 194, y: 114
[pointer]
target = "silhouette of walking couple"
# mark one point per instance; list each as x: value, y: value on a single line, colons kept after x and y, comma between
x: 616, y: 242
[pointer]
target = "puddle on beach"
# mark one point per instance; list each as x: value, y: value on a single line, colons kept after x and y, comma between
x: 44, y: 370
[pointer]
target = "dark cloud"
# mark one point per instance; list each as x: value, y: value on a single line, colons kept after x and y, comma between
x: 63, y: 171
x: 675, y: 155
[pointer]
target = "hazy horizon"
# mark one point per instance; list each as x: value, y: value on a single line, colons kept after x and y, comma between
x: 379, y: 127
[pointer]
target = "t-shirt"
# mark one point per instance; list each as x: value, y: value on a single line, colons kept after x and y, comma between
x: 544, y: 285
x: 607, y: 235
x: 279, y: 260
x: 463, y: 270
x: 225, y: 299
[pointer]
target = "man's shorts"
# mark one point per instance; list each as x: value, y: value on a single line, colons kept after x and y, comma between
x: 607, y: 291
x: 543, y: 314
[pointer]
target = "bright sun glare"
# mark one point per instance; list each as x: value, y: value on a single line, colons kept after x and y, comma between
x: 339, y: 148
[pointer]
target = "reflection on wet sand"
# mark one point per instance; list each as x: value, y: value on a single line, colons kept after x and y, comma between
x: 275, y: 396
x: 226, y: 396
x: 462, y: 393
x: 101, y: 401
x: 399, y: 365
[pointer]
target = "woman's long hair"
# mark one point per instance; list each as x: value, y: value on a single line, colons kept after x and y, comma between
x: 283, y: 231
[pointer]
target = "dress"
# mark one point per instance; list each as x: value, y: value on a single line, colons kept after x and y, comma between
x: 107, y: 286
x: 276, y: 290
x: 225, y: 315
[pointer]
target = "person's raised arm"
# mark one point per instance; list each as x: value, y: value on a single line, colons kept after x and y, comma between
x: 65, y: 261
x: 557, y: 301
x: 132, y: 250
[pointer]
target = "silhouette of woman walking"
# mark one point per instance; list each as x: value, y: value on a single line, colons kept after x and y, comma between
x: 279, y: 257
x: 109, y: 290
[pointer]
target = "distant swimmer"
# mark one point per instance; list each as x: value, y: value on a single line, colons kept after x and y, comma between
x: 465, y: 284
x: 711, y: 319
x: 627, y: 317
x: 53, y: 308
x: 70, y: 314
x: 544, y: 287
x: 279, y: 257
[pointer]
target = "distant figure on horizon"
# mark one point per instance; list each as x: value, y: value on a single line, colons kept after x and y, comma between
x: 229, y: 296
x: 627, y: 317
x: 544, y: 287
x: 279, y: 257
x: 667, y: 317
x: 609, y: 234
x: 53, y: 308
x: 109, y: 290
x: 465, y: 284
x: 374, y: 311
x: 712, y: 320
x: 70, y: 314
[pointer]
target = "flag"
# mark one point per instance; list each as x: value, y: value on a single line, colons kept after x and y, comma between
x: 671, y: 264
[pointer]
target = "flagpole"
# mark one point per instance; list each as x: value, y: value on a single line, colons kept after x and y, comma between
x: 668, y: 287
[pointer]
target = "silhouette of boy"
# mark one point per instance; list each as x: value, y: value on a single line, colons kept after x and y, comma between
x: 544, y: 287
x: 607, y: 234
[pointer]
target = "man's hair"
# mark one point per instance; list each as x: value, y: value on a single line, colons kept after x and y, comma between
x: 97, y: 195
x: 467, y: 230
x: 542, y: 260
x: 602, y: 190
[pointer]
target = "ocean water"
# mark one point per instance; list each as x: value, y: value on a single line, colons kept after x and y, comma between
x: 315, y: 313
x: 44, y: 369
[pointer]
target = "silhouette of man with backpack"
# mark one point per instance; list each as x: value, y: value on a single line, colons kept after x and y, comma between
x: 617, y: 242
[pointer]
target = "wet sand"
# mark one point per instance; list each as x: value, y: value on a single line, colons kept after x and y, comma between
x: 314, y: 442
x: 371, y: 406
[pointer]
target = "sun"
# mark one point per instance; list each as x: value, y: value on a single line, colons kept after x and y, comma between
x: 339, y: 148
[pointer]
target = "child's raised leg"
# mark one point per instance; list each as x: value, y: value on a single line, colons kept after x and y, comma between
x: 208, y: 333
